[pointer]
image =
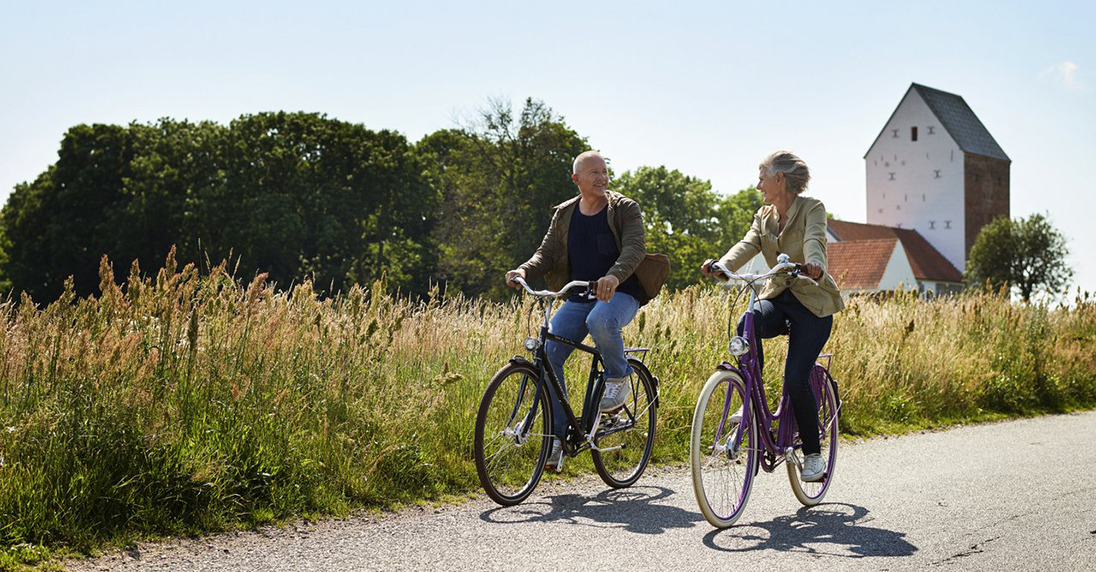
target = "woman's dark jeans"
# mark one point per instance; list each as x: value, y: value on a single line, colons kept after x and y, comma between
x: 807, y: 334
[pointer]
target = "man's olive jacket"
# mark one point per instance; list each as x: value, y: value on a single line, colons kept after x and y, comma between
x: 626, y: 222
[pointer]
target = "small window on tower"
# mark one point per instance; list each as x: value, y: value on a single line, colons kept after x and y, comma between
x: 913, y: 134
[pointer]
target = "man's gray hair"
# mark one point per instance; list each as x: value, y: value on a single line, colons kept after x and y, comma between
x: 582, y: 157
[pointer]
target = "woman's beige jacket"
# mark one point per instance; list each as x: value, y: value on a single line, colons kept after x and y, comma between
x: 803, y: 240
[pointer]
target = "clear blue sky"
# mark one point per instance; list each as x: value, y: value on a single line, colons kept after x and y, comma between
x: 705, y: 88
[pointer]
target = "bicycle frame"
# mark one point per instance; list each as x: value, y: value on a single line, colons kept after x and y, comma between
x: 755, y: 392
x: 776, y: 448
x: 581, y: 430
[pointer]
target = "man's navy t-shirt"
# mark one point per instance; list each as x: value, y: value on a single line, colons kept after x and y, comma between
x: 592, y: 251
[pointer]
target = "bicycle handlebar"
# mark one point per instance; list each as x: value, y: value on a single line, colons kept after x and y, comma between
x: 591, y: 287
x: 795, y: 270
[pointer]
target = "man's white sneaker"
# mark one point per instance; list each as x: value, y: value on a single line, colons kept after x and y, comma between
x: 617, y: 391
x: 814, y: 468
x: 555, y: 456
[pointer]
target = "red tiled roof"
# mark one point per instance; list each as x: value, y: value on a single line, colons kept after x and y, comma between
x: 926, y: 261
x: 859, y: 264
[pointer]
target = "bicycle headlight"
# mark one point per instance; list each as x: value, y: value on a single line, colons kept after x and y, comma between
x: 532, y: 344
x: 738, y: 346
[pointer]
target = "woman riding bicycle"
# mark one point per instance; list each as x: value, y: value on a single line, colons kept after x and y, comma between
x: 794, y: 225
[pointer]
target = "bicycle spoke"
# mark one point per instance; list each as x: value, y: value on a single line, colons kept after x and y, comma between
x: 624, y: 441
x: 511, y: 435
x: 811, y: 493
x: 722, y: 468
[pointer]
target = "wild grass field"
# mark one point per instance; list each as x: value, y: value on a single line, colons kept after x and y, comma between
x: 195, y: 402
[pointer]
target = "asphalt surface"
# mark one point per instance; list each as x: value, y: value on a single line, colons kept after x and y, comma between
x: 1019, y: 495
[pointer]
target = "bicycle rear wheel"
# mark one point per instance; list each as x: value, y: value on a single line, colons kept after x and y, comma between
x: 825, y: 393
x: 723, y: 449
x: 513, y: 434
x: 627, y: 436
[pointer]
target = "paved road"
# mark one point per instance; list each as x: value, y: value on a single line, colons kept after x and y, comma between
x: 1019, y: 495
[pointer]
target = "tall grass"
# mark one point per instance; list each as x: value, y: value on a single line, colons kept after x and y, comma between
x: 190, y: 402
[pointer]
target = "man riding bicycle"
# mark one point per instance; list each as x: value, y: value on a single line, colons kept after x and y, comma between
x: 598, y: 235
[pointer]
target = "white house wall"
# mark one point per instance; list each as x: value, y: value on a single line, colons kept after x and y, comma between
x: 899, y: 272
x: 918, y: 184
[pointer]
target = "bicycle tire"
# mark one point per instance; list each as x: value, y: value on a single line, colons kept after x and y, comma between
x: 825, y: 393
x: 509, y: 464
x: 723, y: 476
x: 622, y: 467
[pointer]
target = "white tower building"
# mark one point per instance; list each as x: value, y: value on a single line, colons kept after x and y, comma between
x: 934, y: 168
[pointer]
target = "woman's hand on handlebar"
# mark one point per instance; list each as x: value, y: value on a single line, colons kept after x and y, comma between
x: 706, y: 269
x: 814, y: 270
x: 514, y: 274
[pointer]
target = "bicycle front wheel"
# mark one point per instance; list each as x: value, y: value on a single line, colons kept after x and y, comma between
x: 723, y: 449
x: 625, y: 438
x: 825, y: 393
x: 513, y: 434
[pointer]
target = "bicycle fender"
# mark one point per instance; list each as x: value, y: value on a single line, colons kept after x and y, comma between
x: 523, y: 361
x: 654, y: 379
x: 727, y: 366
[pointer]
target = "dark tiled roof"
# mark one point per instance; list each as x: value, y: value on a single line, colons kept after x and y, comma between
x: 957, y: 119
x: 859, y: 264
x: 961, y: 122
x: 926, y: 261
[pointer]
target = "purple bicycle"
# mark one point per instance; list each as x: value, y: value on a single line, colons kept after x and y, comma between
x: 734, y: 433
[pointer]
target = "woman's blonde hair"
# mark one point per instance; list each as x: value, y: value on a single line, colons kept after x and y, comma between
x: 796, y: 173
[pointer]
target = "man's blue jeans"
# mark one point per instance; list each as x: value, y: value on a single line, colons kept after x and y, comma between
x: 604, y: 322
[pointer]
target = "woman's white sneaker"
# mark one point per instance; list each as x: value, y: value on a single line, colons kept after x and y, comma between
x: 814, y: 468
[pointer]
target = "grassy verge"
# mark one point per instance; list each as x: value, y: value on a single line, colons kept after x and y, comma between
x: 190, y: 403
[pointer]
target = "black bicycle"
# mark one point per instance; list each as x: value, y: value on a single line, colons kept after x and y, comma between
x: 514, y: 423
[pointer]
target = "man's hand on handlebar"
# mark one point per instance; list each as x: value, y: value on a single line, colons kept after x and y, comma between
x: 510, y: 278
x: 814, y: 270
x: 606, y: 287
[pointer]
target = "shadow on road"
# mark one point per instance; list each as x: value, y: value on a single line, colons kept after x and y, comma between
x: 835, y: 529
x: 632, y: 509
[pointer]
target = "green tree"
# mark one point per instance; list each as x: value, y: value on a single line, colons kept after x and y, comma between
x: 296, y: 195
x: 306, y: 196
x: 1025, y: 255
x: 60, y: 224
x: 499, y: 179
x: 736, y: 213
x: 686, y: 219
